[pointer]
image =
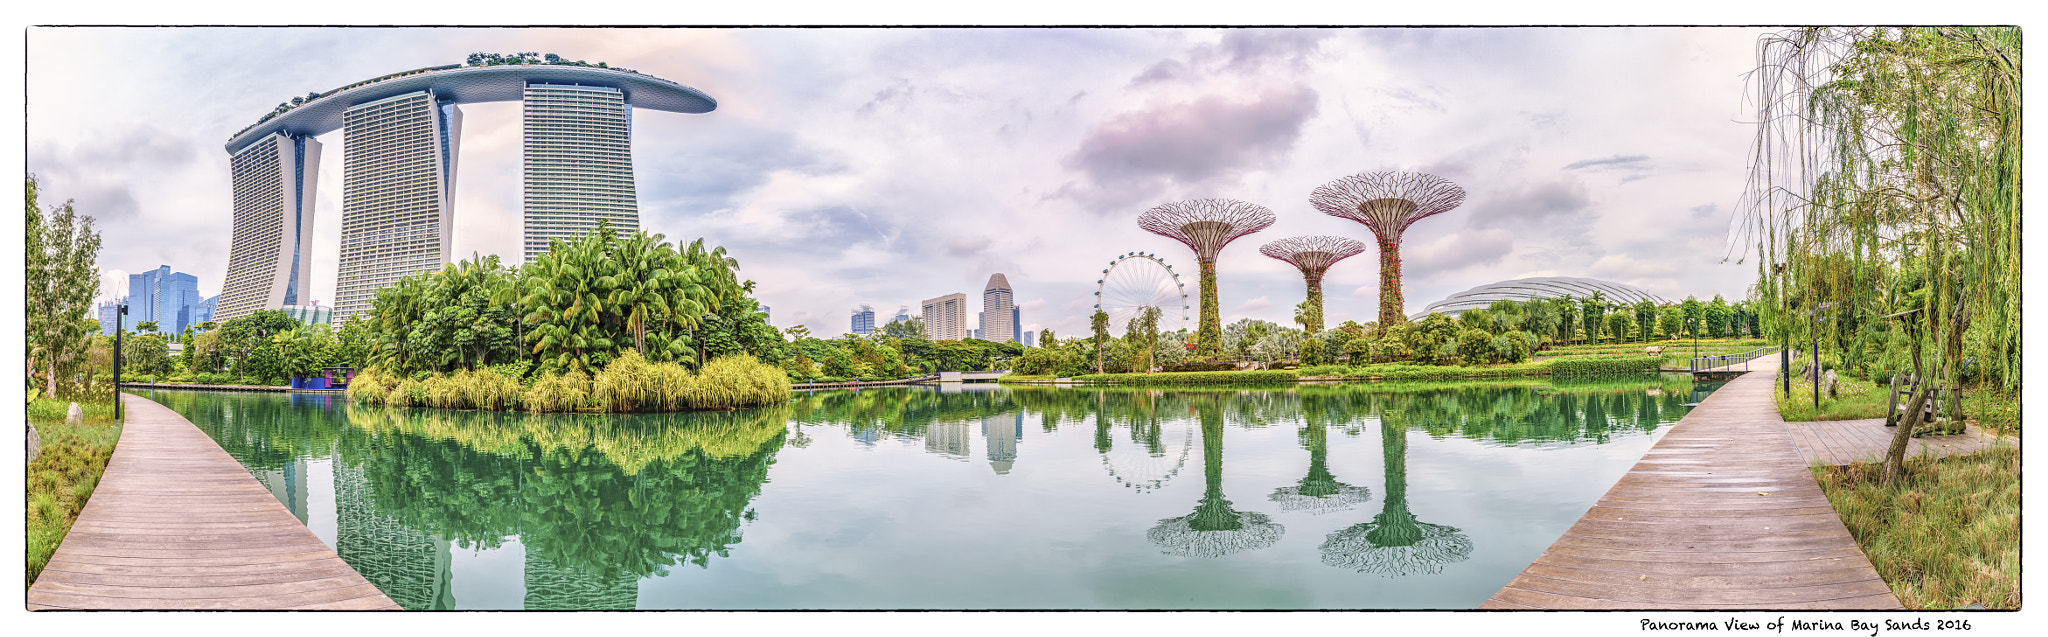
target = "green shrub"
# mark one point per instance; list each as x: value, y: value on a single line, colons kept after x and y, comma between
x: 1603, y: 364
x: 1194, y: 378
x: 1202, y: 366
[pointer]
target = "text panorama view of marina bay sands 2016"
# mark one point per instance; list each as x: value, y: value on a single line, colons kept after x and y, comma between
x: 1481, y: 319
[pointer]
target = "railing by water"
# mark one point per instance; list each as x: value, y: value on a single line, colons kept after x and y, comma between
x: 1722, y: 361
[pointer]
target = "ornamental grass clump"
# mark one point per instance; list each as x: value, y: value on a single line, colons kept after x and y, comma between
x: 558, y: 393
x: 1947, y: 536
x: 738, y: 381
x: 622, y: 384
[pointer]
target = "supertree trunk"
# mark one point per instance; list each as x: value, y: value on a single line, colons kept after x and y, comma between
x: 1315, y: 304
x: 1209, y: 332
x: 1390, y: 280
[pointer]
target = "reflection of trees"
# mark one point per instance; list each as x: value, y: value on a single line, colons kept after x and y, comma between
x: 1214, y: 529
x: 262, y: 431
x: 592, y: 525
x: 1563, y: 410
x: 1319, y: 491
x: 1394, y: 543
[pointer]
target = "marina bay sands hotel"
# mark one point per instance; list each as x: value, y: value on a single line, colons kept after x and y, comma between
x: 401, y: 135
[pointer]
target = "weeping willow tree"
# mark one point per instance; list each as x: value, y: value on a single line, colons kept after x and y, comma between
x: 1884, y: 198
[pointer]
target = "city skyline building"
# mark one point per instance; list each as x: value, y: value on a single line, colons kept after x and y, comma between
x: 108, y: 311
x: 902, y: 314
x: 1016, y: 324
x: 1031, y: 339
x: 398, y: 193
x: 945, y: 317
x: 204, y: 311
x: 864, y: 320
x: 401, y: 139
x: 578, y: 163
x: 166, y: 297
x: 998, y: 304
x: 274, y: 182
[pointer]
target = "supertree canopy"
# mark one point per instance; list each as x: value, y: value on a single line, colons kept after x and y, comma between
x: 1214, y: 529
x: 1394, y: 543
x: 1388, y: 202
x: 1313, y: 255
x: 1205, y: 226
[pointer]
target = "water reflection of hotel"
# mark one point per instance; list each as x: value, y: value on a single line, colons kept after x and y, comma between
x: 949, y: 439
x: 410, y: 566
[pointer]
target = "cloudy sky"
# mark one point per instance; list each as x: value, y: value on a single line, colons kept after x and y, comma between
x: 886, y: 166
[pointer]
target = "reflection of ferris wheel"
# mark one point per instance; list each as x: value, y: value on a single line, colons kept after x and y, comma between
x: 1145, y: 467
x: 1135, y: 280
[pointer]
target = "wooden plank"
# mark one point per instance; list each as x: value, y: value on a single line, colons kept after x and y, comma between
x: 177, y: 524
x: 1722, y: 513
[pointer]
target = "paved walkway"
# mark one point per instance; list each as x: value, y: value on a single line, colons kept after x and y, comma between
x: 1840, y: 442
x: 178, y: 524
x: 1721, y: 514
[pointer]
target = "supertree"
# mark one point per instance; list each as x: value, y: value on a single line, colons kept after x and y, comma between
x: 1205, y: 226
x: 1313, y: 255
x: 1214, y: 529
x: 1388, y: 202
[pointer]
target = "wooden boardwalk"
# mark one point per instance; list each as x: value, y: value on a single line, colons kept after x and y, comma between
x: 177, y: 524
x: 1722, y: 513
x: 1840, y: 442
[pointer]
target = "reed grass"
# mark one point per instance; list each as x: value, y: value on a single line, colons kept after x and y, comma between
x: 630, y: 384
x: 63, y: 477
x: 1949, y: 536
x: 738, y: 381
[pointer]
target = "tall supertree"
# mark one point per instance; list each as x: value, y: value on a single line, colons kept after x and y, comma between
x: 1205, y: 226
x: 1388, y: 202
x: 1313, y: 255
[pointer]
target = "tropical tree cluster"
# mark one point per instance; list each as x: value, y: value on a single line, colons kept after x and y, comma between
x: 1884, y: 202
x: 561, y: 321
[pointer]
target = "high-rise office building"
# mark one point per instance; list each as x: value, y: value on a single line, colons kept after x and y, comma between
x: 268, y: 256
x: 864, y: 320
x: 945, y: 317
x: 763, y: 309
x: 902, y: 314
x: 108, y: 311
x: 168, y: 298
x: 579, y: 163
x: 204, y: 311
x: 398, y: 193
x: 1016, y: 324
x: 1030, y: 339
x: 997, y: 302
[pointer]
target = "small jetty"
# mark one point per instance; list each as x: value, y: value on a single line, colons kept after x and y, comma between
x: 178, y: 524
x: 1722, y: 513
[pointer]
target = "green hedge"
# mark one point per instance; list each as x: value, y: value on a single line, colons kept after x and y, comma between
x: 1193, y: 378
x: 1201, y: 366
x: 1603, y: 364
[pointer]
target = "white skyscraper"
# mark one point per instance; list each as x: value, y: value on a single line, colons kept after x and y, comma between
x: 397, y: 197
x: 996, y: 314
x: 945, y: 317
x: 268, y: 254
x: 579, y: 163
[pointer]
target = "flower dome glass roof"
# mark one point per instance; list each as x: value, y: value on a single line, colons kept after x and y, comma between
x: 1538, y: 288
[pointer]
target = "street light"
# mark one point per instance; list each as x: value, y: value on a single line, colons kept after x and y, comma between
x: 1694, y: 322
x: 123, y: 311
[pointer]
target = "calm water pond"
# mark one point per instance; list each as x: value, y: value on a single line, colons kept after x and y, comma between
x: 980, y: 497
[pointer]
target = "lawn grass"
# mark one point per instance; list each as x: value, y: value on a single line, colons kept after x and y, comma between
x: 1948, y: 537
x: 62, y: 478
x: 1854, y: 399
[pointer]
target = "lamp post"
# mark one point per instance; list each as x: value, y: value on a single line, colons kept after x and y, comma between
x: 1693, y: 323
x: 123, y: 311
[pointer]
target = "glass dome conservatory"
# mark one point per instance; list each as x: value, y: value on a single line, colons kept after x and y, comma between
x: 1538, y: 288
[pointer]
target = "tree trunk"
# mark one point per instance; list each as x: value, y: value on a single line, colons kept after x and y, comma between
x: 1895, y: 456
x: 52, y: 367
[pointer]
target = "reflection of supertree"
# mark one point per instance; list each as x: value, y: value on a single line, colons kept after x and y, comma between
x: 1394, y: 543
x: 1313, y: 255
x: 1214, y: 529
x: 1387, y: 203
x: 1318, y: 492
x: 1205, y: 226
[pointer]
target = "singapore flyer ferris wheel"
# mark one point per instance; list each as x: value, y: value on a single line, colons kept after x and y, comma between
x: 1136, y: 280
